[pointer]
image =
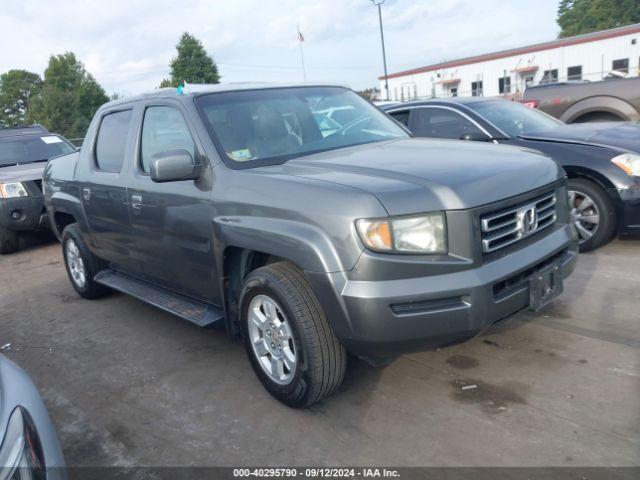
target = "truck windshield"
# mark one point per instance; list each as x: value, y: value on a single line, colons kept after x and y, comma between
x: 29, y: 149
x: 270, y: 126
x: 513, y: 118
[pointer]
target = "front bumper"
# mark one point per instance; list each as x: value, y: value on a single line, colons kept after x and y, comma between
x: 391, y: 317
x: 629, y: 211
x: 23, y: 214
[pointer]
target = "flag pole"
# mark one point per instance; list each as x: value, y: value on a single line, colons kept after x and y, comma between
x: 300, y: 40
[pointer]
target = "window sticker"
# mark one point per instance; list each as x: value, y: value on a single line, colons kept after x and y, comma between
x: 240, y: 155
x: 51, y: 139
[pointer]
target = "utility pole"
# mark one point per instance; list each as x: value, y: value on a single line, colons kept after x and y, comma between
x: 378, y: 3
x: 300, y: 40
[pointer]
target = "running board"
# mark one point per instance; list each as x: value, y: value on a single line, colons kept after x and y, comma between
x: 200, y: 313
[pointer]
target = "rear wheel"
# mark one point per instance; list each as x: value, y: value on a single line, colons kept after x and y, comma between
x: 593, y: 213
x: 81, y: 264
x: 290, y: 344
x: 597, y: 117
x: 9, y: 241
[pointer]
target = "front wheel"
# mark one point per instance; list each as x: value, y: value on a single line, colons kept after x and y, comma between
x: 290, y: 344
x: 9, y: 241
x: 593, y: 213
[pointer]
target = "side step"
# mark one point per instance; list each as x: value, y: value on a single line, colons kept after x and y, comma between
x: 200, y: 313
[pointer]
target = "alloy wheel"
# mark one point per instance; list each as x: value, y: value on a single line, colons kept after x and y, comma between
x: 75, y: 263
x: 585, y: 214
x: 272, y: 339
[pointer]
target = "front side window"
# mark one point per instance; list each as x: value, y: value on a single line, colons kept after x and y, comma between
x: 271, y: 126
x: 163, y: 130
x: 434, y: 122
x: 30, y: 149
x: 513, y: 118
x: 112, y: 140
x: 402, y: 117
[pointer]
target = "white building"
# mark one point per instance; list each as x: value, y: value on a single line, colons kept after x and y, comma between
x: 586, y: 57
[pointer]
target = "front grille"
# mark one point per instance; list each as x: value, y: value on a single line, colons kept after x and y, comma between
x: 507, y: 226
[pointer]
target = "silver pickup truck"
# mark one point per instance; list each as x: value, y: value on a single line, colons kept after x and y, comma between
x: 578, y: 102
x: 238, y: 204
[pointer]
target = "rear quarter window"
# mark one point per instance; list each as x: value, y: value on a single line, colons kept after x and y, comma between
x: 112, y: 140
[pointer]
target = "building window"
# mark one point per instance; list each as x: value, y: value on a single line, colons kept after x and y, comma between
x: 454, y: 91
x: 574, y: 73
x: 621, y: 65
x: 504, y: 85
x: 550, y: 76
x: 476, y: 89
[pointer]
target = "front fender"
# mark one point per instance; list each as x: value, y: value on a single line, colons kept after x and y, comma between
x: 306, y: 245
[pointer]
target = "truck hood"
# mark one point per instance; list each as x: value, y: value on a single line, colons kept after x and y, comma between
x: 617, y: 135
x: 22, y: 173
x: 419, y: 175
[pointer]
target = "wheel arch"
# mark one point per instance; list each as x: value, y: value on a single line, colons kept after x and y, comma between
x: 600, y: 104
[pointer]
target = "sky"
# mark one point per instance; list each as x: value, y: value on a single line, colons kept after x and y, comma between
x: 127, y: 44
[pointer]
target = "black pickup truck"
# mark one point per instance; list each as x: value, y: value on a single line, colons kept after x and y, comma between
x: 308, y: 239
x: 24, y: 152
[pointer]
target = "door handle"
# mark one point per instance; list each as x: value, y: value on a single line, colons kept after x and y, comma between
x: 136, y: 202
x: 86, y: 193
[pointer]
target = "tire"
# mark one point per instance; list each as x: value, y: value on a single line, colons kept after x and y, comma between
x: 603, y: 207
x: 9, y: 241
x: 84, y: 259
x: 319, y: 360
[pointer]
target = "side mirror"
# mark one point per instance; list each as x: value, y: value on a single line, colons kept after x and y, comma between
x: 174, y: 166
x: 476, y: 137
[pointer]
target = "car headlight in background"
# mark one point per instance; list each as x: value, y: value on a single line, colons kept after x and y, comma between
x: 12, y: 190
x: 628, y: 162
x: 419, y: 234
x: 21, y: 455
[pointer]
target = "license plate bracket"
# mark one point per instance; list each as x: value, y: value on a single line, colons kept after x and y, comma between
x: 545, y: 285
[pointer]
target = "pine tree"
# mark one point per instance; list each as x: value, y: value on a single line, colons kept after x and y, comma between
x: 192, y: 64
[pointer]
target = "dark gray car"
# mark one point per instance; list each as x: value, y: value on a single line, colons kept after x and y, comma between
x: 306, y: 238
x: 29, y: 448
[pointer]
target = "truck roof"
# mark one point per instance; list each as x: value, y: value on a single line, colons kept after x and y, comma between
x: 195, y: 89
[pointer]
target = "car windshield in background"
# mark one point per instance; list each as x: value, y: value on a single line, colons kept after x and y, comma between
x: 513, y: 118
x: 273, y: 125
x: 19, y: 150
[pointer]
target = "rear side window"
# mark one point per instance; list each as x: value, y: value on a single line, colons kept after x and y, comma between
x: 163, y: 130
x: 112, y: 140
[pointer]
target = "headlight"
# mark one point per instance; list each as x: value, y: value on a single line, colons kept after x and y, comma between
x: 21, y: 455
x: 628, y: 162
x: 416, y: 234
x: 12, y: 190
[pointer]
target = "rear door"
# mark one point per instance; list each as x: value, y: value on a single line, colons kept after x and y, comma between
x: 104, y: 194
x: 172, y: 221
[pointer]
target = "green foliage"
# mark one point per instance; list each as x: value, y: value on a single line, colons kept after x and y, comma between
x: 16, y: 89
x: 576, y: 17
x: 192, y: 64
x: 69, y: 97
x: 369, y: 93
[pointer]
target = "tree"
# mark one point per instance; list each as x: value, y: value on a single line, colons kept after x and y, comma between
x: 16, y: 89
x: 370, y: 93
x: 576, y: 17
x: 192, y: 64
x: 69, y: 97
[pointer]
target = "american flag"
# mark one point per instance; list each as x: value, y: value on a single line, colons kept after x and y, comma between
x: 300, y: 36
